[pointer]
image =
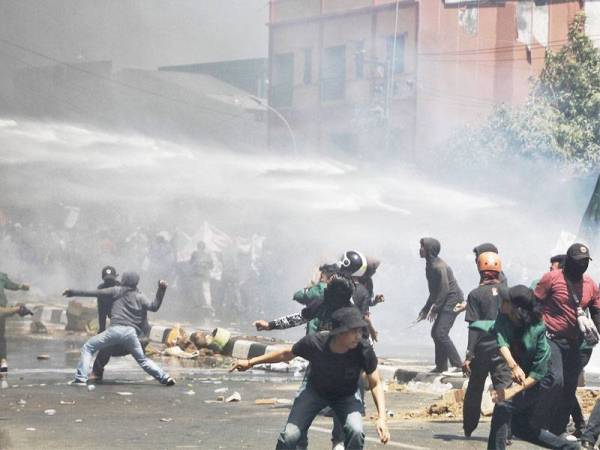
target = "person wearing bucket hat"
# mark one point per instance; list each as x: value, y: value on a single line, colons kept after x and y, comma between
x: 337, y: 359
x: 317, y: 316
x: 565, y: 295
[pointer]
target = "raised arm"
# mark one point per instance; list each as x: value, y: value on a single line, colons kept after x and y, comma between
x: 108, y: 292
x: 289, y: 321
x: 158, y: 298
x: 12, y: 286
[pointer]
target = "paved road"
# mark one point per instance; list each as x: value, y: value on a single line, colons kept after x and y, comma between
x: 105, y: 419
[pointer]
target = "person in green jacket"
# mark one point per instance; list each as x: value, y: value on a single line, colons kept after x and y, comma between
x: 7, y: 283
x: 522, y: 343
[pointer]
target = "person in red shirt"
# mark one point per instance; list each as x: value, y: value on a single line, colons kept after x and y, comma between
x: 565, y: 295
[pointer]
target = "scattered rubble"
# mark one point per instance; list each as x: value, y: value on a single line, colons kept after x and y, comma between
x: 235, y: 397
x: 50, y: 412
x: 587, y: 399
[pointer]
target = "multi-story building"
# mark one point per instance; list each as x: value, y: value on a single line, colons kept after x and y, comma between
x: 396, y: 76
x: 342, y: 71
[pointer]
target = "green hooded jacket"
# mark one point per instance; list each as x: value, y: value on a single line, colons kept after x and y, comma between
x: 6, y: 283
x: 534, y: 354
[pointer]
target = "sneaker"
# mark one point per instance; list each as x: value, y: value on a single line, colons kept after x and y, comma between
x: 453, y: 372
x: 437, y: 370
x: 77, y: 383
x: 170, y: 382
x: 568, y: 437
x: 337, y: 446
x: 3, y: 366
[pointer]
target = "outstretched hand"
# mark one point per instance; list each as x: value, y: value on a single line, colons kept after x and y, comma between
x: 241, y: 365
x: 162, y: 284
x: 24, y: 311
x: 67, y: 293
x: 261, y: 325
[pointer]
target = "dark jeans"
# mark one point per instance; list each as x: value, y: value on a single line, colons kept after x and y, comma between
x: 104, y: 355
x: 559, y: 386
x: 307, y: 405
x: 576, y: 412
x: 484, y: 363
x: 516, y: 414
x: 444, y: 347
x: 2, y: 339
x: 592, y: 430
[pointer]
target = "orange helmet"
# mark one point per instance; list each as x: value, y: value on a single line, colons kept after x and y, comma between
x: 489, y: 261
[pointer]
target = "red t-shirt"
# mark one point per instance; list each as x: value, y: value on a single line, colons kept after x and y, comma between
x: 560, y: 314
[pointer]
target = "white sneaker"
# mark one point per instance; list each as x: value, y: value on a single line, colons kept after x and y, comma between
x: 338, y: 446
x: 453, y: 372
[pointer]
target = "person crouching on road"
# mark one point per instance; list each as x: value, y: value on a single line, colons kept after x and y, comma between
x: 128, y: 313
x: 483, y: 303
x: 336, y: 360
x: 521, y: 338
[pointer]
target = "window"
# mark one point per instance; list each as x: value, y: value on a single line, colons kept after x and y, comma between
x: 333, y: 73
x: 395, y: 54
x: 307, y: 77
x: 282, y: 90
x: 359, y: 60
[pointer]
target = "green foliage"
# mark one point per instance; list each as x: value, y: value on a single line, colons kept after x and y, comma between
x: 561, y: 118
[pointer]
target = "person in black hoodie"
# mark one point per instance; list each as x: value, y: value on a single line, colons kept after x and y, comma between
x: 483, y: 303
x: 444, y: 295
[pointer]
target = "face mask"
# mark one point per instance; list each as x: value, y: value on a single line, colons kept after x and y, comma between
x: 574, y: 269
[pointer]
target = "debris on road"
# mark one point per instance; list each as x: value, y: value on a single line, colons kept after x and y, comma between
x: 50, y: 412
x: 43, y: 357
x: 67, y: 402
x: 221, y: 390
x: 166, y: 419
x: 124, y: 394
x: 235, y: 397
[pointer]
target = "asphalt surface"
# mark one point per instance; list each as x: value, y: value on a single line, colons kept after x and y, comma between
x: 130, y: 411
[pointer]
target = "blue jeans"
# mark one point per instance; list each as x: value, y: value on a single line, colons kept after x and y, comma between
x: 307, y: 405
x: 117, y: 335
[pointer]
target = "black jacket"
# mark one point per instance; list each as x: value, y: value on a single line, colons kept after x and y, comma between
x: 444, y: 292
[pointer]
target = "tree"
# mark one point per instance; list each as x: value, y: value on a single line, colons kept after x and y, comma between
x: 560, y: 119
